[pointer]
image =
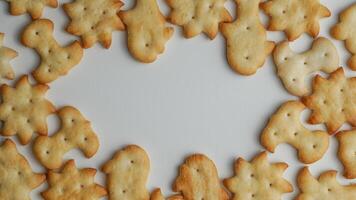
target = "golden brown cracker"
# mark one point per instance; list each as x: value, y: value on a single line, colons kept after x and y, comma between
x: 73, y: 184
x: 147, y: 32
x: 345, y: 30
x: 33, y: 7
x: 198, y: 16
x: 325, y: 187
x: 246, y: 43
x: 94, y: 21
x: 24, y: 110
x: 295, y: 17
x: 55, y: 60
x: 157, y: 195
x: 333, y: 100
x: 258, y: 179
x: 75, y: 132
x: 127, y: 174
x: 347, y: 152
x: 6, y: 55
x: 293, y: 68
x: 16, y: 176
x: 198, y: 179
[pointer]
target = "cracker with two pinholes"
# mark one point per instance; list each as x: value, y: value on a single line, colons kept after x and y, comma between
x: 94, y: 21
x: 24, y: 110
x: 198, y: 16
x: 6, y: 55
x: 55, y: 60
x: 33, y: 7
x: 295, y: 17
x: 246, y: 41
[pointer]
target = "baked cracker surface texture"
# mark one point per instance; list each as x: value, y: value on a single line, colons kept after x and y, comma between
x: 147, y: 32
x: 94, y: 21
x: 345, y: 30
x: 6, y: 55
x: 258, y: 179
x: 295, y: 17
x: 17, y: 179
x: 285, y: 127
x: 24, y: 110
x: 347, y: 152
x: 33, y: 7
x: 246, y: 40
x: 198, y: 16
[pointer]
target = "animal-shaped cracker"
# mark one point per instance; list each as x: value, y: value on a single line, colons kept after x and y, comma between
x: 6, y: 55
x: 33, y: 7
x: 16, y: 176
x: 197, y: 16
x: 55, y: 60
x: 75, y: 132
x: 333, y: 100
x: 246, y: 43
x: 127, y: 174
x: 295, y: 17
x: 94, y: 21
x: 157, y: 195
x: 258, y: 179
x: 285, y: 127
x: 72, y: 184
x: 347, y: 152
x: 146, y: 30
x: 293, y: 68
x: 24, y: 110
x: 198, y: 179
x: 325, y: 187
x: 345, y: 30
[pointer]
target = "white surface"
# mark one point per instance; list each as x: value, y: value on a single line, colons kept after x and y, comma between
x: 187, y: 101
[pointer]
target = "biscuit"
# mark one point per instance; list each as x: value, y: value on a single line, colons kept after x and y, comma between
x: 33, y: 7
x: 55, y: 60
x: 285, y: 127
x: 146, y: 30
x: 198, y: 16
x: 325, y: 187
x: 333, y: 100
x: 94, y: 21
x: 157, y: 195
x: 73, y: 183
x: 24, y: 110
x: 345, y: 30
x: 16, y: 176
x: 295, y: 17
x: 346, y: 152
x: 75, y: 132
x: 127, y: 174
x: 6, y: 55
x: 258, y: 179
x: 246, y: 43
x: 293, y: 68
x: 198, y: 179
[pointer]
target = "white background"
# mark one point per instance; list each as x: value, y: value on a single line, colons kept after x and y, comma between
x: 188, y: 101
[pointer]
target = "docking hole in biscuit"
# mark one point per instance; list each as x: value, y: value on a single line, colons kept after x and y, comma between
x: 75, y: 132
x: 6, y: 55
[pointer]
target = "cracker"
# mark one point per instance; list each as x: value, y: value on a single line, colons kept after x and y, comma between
x: 246, y: 43
x: 333, y: 100
x: 294, y: 68
x: 295, y: 17
x: 326, y: 187
x: 16, y: 176
x: 147, y: 33
x: 157, y: 195
x: 285, y: 127
x: 75, y: 133
x: 55, y: 60
x: 198, y: 16
x: 198, y: 179
x: 94, y: 21
x: 6, y: 55
x: 24, y: 110
x: 33, y: 7
x: 127, y: 174
x: 346, y: 152
x: 73, y: 183
x: 345, y: 30
x: 258, y: 179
